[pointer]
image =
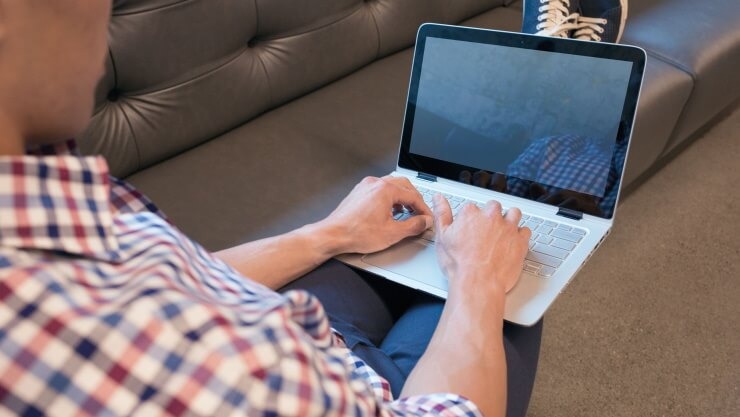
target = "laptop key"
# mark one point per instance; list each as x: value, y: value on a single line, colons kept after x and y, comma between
x: 578, y: 231
x: 549, y: 250
x: 547, y: 240
x: 545, y: 230
x: 546, y: 271
x: 562, y: 244
x: 570, y: 236
x: 532, y: 225
x: 543, y: 259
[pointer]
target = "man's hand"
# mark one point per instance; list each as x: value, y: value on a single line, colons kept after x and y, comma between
x: 481, y: 252
x: 481, y: 248
x: 364, y: 223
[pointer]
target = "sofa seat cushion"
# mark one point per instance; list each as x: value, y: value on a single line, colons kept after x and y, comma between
x: 288, y: 167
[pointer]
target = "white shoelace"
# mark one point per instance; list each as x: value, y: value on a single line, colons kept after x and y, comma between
x: 554, y: 18
x: 589, y: 28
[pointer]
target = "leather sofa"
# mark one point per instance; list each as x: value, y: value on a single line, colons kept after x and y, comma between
x: 246, y: 118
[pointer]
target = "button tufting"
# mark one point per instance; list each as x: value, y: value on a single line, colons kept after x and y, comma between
x: 114, y: 95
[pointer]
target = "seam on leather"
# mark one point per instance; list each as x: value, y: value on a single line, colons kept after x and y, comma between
x: 133, y: 139
x: 377, y: 32
x: 256, y: 18
x: 311, y: 28
x: 270, y: 98
x: 673, y: 63
x: 180, y: 82
x: 152, y: 9
x: 115, y: 69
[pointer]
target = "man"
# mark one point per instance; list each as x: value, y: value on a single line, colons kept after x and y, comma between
x: 106, y: 309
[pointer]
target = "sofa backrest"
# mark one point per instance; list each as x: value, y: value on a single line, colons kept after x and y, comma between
x: 181, y: 72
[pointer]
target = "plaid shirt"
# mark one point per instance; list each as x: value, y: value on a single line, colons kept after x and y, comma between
x: 106, y: 309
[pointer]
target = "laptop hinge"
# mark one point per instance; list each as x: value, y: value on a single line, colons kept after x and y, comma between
x: 426, y: 177
x: 571, y: 214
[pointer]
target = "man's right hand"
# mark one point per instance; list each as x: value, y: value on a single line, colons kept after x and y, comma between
x: 481, y: 249
x: 481, y: 252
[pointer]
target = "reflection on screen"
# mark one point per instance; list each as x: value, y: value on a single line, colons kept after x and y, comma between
x: 532, y: 116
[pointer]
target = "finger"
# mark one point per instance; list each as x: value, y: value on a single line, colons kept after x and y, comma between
x: 525, y: 233
x: 400, y: 181
x: 409, y: 197
x: 513, y: 215
x: 442, y: 213
x: 415, y: 225
x: 493, y: 207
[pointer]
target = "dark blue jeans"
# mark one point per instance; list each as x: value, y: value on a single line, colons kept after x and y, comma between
x: 389, y: 326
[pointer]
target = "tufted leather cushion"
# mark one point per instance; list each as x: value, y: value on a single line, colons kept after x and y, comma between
x: 293, y: 164
x: 182, y: 72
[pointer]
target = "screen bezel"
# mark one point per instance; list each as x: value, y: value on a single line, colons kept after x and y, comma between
x: 449, y: 170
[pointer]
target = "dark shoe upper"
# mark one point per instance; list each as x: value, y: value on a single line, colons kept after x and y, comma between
x: 550, y: 17
x: 601, y: 20
x: 594, y: 20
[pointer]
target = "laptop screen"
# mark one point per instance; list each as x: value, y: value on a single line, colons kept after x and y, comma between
x: 539, y: 118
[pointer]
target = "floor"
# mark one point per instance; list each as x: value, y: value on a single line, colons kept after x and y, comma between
x: 651, y: 326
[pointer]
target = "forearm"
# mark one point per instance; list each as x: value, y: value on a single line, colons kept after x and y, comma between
x: 276, y: 261
x: 466, y: 354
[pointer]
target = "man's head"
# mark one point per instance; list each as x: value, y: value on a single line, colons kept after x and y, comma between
x: 52, y: 54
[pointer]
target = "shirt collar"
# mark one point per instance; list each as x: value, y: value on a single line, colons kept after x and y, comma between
x: 52, y: 199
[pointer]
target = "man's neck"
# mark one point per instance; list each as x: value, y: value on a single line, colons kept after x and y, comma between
x: 11, y: 141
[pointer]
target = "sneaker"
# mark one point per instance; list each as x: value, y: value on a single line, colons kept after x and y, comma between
x: 601, y: 20
x: 550, y: 17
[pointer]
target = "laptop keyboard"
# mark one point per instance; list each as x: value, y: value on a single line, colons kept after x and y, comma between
x: 549, y: 246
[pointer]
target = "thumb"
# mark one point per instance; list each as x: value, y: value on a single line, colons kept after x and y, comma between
x: 442, y: 213
x: 415, y: 225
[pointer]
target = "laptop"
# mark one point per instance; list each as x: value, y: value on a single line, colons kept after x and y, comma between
x: 538, y: 123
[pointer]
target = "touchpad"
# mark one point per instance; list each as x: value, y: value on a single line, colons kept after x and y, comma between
x: 414, y: 259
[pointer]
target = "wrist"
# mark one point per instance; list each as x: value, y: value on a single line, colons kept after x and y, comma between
x: 327, y: 239
x: 478, y: 291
